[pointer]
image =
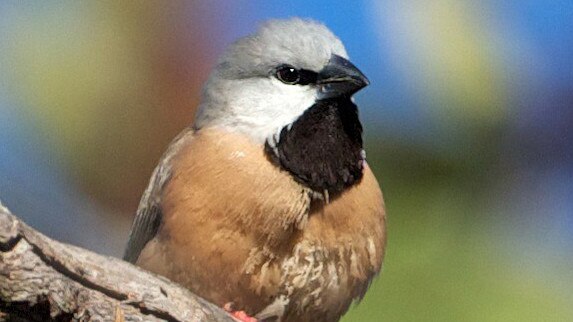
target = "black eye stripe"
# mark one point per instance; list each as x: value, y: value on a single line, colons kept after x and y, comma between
x: 307, y: 77
x: 293, y: 76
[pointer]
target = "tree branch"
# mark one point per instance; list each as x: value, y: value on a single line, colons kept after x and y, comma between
x: 42, y: 279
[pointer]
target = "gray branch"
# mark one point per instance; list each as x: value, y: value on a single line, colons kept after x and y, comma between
x: 44, y: 280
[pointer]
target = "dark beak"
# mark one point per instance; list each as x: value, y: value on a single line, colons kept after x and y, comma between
x: 340, y: 78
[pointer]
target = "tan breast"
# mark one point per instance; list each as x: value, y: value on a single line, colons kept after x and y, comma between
x: 238, y: 229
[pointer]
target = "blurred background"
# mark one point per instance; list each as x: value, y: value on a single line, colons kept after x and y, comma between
x: 468, y: 125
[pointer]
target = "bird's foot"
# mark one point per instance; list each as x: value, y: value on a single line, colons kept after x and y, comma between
x: 240, y: 316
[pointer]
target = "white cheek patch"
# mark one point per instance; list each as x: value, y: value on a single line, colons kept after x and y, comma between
x: 261, y: 108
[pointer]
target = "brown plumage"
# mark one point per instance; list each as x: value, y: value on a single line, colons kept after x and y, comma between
x: 238, y: 229
x: 281, y: 229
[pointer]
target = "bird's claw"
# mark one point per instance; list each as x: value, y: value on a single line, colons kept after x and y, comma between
x: 240, y: 316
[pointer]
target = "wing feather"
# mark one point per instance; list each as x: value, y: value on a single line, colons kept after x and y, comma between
x: 148, y: 218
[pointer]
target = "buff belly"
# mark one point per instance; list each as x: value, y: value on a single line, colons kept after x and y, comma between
x: 274, y: 250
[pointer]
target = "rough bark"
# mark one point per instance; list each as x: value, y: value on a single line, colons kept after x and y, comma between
x: 45, y: 280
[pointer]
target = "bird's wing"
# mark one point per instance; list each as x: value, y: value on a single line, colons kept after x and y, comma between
x: 148, y: 217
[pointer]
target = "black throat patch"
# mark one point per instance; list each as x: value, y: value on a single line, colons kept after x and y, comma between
x: 323, y: 147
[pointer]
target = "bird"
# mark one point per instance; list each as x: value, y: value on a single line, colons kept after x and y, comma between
x: 266, y: 203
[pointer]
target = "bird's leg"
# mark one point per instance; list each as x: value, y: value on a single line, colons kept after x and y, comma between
x: 240, y: 316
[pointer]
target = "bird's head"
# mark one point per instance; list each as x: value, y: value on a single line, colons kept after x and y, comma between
x: 264, y: 84
x: 265, y: 81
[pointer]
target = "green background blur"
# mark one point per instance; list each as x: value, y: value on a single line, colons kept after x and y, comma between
x: 468, y: 125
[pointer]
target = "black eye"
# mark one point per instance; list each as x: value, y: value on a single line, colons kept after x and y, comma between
x: 288, y: 74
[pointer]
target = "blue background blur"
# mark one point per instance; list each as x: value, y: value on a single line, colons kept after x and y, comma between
x: 468, y: 125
